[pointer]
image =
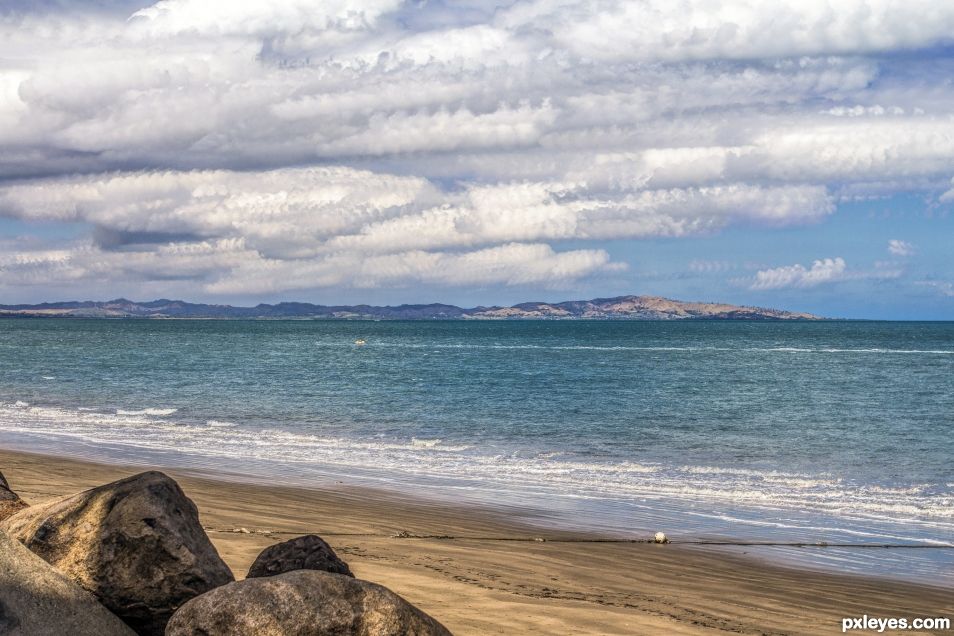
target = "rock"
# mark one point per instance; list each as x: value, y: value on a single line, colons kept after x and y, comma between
x: 10, y: 502
x: 135, y: 544
x: 309, y: 552
x: 302, y: 603
x: 36, y: 600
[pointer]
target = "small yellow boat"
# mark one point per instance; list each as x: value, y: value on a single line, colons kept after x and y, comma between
x: 360, y: 342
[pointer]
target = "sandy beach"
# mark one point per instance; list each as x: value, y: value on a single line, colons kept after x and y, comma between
x: 494, y: 577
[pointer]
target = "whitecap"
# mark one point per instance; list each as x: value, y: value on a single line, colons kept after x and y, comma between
x: 149, y: 411
x: 434, y: 458
x: 219, y: 424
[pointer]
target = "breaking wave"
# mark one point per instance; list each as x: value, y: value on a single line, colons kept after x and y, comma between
x: 149, y: 411
x: 780, y: 349
x: 150, y: 429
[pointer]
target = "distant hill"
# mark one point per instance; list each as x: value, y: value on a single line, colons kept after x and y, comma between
x: 619, y: 308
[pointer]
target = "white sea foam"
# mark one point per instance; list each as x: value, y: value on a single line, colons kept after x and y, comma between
x: 767, y: 476
x: 149, y: 411
x: 779, y: 349
x: 219, y: 424
x: 713, y: 488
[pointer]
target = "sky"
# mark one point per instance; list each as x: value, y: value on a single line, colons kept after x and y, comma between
x: 789, y: 155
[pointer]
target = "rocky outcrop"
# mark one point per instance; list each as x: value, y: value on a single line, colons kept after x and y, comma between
x: 135, y: 544
x: 309, y: 552
x: 10, y: 502
x: 302, y: 603
x: 36, y: 600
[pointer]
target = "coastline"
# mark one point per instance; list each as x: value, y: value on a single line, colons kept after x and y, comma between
x: 631, y: 502
x: 490, y: 578
x: 619, y: 307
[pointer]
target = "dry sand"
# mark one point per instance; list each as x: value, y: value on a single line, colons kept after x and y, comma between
x: 477, y: 586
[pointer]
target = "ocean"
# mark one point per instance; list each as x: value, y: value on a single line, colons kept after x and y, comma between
x: 785, y: 432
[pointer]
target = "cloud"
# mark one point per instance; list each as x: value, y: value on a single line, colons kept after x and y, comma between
x: 822, y: 271
x: 277, y: 141
x: 285, y: 212
x: 702, y: 266
x: 898, y: 247
x: 222, y: 17
x: 186, y: 84
x: 358, y: 208
x: 513, y: 264
x: 296, y: 224
x: 289, y: 229
x: 740, y: 29
x: 943, y: 288
x: 230, y: 267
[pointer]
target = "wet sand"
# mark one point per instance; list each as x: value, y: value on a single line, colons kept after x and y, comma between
x: 495, y: 576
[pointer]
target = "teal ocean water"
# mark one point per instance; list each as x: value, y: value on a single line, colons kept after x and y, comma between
x: 832, y: 431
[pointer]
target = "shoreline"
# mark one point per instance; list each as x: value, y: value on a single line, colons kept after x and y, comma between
x: 490, y: 577
x: 654, y: 506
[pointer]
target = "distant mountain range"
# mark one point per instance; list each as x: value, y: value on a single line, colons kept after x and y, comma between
x: 619, y: 308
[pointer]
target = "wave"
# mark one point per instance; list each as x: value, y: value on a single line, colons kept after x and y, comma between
x: 219, y: 424
x: 716, y: 487
x: 780, y: 349
x: 148, y: 411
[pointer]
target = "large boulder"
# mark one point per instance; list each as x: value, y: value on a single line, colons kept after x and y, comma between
x: 36, y: 600
x: 302, y: 603
x: 135, y: 544
x: 309, y: 552
x: 10, y: 502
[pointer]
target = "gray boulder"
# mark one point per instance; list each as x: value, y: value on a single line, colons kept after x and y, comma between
x: 36, y: 600
x: 10, y: 502
x: 135, y: 544
x: 309, y: 552
x: 302, y: 603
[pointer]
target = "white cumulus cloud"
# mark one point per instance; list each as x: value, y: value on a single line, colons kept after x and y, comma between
x: 898, y: 247
x: 822, y: 272
x: 825, y: 270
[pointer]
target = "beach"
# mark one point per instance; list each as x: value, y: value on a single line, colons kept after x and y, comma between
x: 553, y: 317
x: 483, y: 572
x: 713, y: 430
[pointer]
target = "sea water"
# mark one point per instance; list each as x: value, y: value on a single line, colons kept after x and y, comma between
x: 789, y: 432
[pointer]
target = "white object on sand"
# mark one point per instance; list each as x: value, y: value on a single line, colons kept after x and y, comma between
x: 660, y: 537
